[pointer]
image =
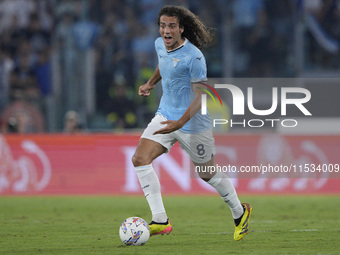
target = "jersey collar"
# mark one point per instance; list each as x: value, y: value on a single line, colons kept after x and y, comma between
x: 185, y: 41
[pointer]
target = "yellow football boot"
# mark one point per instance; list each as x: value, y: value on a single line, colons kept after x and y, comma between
x: 160, y: 228
x: 242, y: 229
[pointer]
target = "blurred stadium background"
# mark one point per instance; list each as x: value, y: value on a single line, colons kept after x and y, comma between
x: 89, y: 56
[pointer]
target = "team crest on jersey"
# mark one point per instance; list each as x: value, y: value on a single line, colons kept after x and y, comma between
x: 176, y: 61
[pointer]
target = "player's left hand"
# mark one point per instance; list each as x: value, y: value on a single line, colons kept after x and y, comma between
x: 171, y: 126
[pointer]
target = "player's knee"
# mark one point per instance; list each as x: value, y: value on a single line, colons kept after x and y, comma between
x: 206, y: 179
x: 204, y: 176
x: 139, y: 160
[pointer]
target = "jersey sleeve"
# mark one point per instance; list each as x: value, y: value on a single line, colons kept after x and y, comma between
x: 158, y: 44
x: 198, y: 69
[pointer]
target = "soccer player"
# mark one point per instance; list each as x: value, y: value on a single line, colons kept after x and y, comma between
x: 182, y: 69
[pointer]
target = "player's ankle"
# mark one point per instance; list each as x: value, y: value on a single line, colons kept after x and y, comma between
x: 160, y: 223
x: 238, y: 220
x: 160, y: 217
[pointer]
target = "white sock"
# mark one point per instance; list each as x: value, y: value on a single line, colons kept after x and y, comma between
x: 225, y: 188
x: 149, y: 182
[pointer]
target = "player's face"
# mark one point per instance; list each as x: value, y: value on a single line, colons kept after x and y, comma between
x: 171, y: 32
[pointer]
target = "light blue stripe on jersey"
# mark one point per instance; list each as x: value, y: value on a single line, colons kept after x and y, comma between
x: 179, y: 68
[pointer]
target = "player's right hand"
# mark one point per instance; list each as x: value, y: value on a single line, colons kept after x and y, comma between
x: 144, y: 90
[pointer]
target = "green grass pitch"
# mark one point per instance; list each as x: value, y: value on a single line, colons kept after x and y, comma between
x: 202, y: 225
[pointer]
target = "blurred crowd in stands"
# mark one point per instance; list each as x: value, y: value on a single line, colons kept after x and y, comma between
x: 122, y: 38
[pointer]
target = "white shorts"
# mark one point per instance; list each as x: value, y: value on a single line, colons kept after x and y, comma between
x: 200, y: 147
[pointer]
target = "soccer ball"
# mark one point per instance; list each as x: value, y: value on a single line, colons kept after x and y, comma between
x: 134, y: 231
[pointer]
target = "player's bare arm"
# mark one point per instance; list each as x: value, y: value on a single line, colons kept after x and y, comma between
x: 144, y: 90
x: 194, y: 107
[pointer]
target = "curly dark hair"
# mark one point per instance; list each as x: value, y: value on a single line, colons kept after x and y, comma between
x: 194, y: 29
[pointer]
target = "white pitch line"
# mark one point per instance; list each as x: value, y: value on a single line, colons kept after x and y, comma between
x: 219, y: 233
x: 264, y: 221
x: 304, y: 230
x: 224, y: 233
